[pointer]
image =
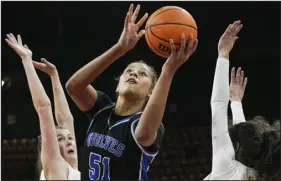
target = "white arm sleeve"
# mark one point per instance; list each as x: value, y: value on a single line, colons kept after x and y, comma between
x: 223, y: 151
x: 237, y: 112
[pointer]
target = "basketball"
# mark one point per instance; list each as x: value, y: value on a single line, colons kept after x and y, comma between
x: 167, y: 23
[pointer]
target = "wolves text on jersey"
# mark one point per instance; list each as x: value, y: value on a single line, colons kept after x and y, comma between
x: 106, y: 142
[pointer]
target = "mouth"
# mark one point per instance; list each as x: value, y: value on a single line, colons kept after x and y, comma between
x: 71, y: 151
x: 132, y: 81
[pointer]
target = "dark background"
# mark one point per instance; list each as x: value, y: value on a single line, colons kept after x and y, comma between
x: 70, y: 34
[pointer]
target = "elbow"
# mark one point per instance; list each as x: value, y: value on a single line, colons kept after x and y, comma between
x: 42, y: 104
x: 219, y: 100
x: 144, y: 138
x: 70, y: 85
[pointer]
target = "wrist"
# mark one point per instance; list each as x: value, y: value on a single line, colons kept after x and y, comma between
x: 235, y: 100
x: 224, y: 55
x: 26, y: 59
x: 54, y: 74
x: 167, y: 73
x: 121, y: 49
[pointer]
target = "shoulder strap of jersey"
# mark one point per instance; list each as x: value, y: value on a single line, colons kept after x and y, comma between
x: 101, y: 110
x: 136, y: 116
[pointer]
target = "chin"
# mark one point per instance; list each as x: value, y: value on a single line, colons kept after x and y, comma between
x: 130, y: 92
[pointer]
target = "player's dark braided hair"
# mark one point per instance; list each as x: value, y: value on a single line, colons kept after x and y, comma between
x: 257, y: 145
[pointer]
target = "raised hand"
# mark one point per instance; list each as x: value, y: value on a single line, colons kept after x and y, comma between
x: 228, y: 39
x: 177, y: 58
x: 131, y: 34
x: 237, y: 85
x: 45, y: 66
x: 16, y: 44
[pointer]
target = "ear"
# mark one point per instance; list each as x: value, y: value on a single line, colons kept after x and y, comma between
x: 150, y: 93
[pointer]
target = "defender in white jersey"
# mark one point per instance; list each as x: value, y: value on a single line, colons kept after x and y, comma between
x: 248, y: 150
x: 236, y: 91
x: 58, y: 158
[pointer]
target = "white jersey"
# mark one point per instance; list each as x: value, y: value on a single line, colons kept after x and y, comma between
x: 72, y: 174
x: 224, y: 165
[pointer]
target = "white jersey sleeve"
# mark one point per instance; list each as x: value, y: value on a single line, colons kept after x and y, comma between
x: 223, y: 151
x: 237, y: 112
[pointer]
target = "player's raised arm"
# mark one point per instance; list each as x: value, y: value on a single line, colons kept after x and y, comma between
x: 220, y: 92
x: 237, y: 88
x: 50, y: 154
x: 78, y: 86
x: 63, y: 115
x: 153, y: 113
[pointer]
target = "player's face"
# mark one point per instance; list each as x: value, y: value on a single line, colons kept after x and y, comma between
x: 135, y: 81
x: 67, y: 145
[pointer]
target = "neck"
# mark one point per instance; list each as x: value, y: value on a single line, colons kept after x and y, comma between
x: 72, y: 162
x: 125, y: 107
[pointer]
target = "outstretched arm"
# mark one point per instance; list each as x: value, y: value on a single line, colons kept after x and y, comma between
x: 50, y: 154
x: 63, y: 115
x: 78, y: 86
x: 220, y: 93
x: 150, y: 120
x: 237, y: 88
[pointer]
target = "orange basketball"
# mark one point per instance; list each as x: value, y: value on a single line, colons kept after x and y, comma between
x: 167, y: 23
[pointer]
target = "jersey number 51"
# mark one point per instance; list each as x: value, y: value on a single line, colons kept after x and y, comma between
x: 96, y: 162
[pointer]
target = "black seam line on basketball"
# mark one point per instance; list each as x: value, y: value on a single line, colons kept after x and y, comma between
x: 161, y: 13
x: 155, y: 17
x: 153, y: 45
x: 161, y: 24
x: 162, y: 38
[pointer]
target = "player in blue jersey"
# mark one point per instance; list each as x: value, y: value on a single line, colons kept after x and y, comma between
x: 124, y: 137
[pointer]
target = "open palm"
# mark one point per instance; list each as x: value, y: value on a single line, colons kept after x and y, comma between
x: 16, y: 44
x: 237, y: 85
x: 131, y: 34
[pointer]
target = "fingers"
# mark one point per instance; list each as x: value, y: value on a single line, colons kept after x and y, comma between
x: 135, y: 15
x: 10, y: 38
x: 195, y: 44
x: 245, y: 83
x: 39, y: 65
x: 13, y: 39
x: 130, y: 12
x: 237, y: 78
x: 192, y: 45
x: 10, y: 43
x: 238, y: 29
x: 226, y: 32
x: 235, y: 28
x: 241, y: 79
x: 173, y: 47
x: 44, y: 60
x: 233, y: 75
x: 19, y: 40
x: 183, y: 43
x: 142, y: 20
x: 25, y: 46
x: 140, y: 34
x: 126, y: 24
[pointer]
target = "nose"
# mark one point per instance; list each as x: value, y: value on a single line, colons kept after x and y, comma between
x: 68, y: 143
x: 134, y: 73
